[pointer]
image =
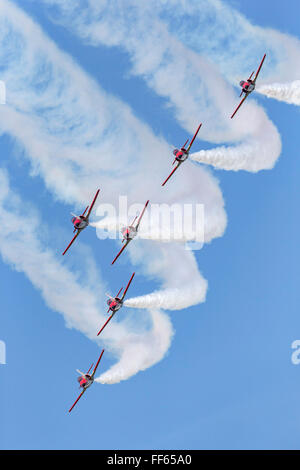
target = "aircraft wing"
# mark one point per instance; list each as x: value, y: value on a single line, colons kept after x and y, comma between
x: 140, y: 217
x: 192, y: 141
x: 76, y: 400
x: 126, y: 289
x: 97, y: 364
x: 108, y: 320
x: 122, y: 249
x: 71, y: 242
x: 92, y: 205
x: 260, y: 66
x: 236, y: 110
x: 173, y: 171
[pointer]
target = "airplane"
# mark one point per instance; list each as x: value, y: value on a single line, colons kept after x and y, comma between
x: 130, y: 232
x: 248, y: 86
x: 80, y: 222
x: 115, y: 303
x: 182, y: 154
x: 86, y: 380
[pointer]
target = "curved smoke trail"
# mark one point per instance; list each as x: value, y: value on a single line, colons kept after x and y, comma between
x: 141, y: 350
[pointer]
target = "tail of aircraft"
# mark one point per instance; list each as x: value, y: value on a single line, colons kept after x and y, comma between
x: 251, y: 76
x: 85, y: 211
x: 183, y: 147
x: 119, y: 292
x: 90, y: 368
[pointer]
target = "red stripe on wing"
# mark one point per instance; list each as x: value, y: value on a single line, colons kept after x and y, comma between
x: 260, y: 66
x: 124, y: 293
x: 96, y: 366
x: 73, y: 239
x: 173, y: 171
x: 192, y: 141
x: 140, y: 217
x: 92, y: 205
x: 122, y: 249
x: 105, y: 323
x: 236, y: 110
x: 76, y: 401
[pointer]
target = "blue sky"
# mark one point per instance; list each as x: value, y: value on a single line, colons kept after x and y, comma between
x: 227, y: 380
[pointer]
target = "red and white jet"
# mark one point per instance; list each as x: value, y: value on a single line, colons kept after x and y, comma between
x: 248, y: 86
x: 86, y: 380
x: 80, y: 222
x: 115, y: 303
x: 130, y: 232
x: 182, y: 154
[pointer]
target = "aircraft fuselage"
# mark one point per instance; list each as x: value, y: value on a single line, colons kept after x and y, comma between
x: 80, y: 222
x: 129, y: 232
x: 180, y: 155
x: 114, y: 304
x: 85, y: 381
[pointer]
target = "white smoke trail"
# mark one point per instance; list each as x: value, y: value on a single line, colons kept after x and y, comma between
x: 141, y: 351
x: 253, y: 156
x: 287, y: 92
x: 172, y: 299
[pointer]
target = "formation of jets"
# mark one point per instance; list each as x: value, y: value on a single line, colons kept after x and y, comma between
x: 82, y: 221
